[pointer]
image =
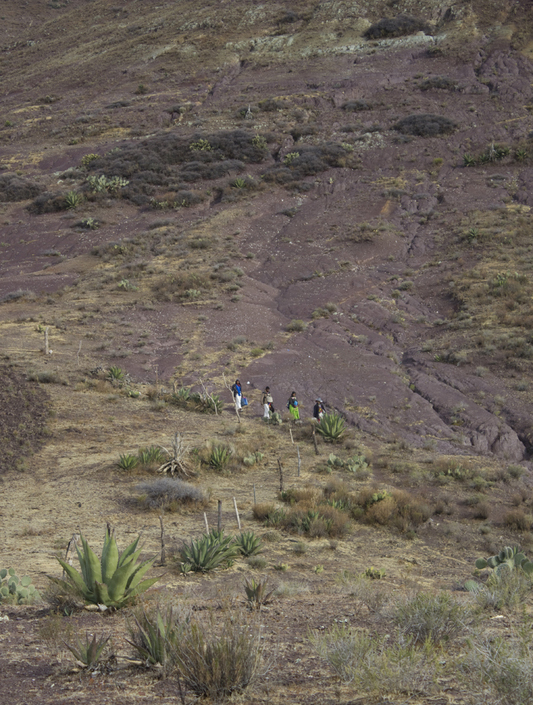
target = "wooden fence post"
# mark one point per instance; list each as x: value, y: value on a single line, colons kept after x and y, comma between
x: 237, y: 513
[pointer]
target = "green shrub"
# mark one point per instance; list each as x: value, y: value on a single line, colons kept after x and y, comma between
x: 331, y: 427
x: 435, y: 617
x: 210, y: 551
x: 113, y: 581
x: 371, y: 662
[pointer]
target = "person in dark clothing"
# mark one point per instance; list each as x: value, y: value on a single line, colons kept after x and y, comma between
x: 318, y: 409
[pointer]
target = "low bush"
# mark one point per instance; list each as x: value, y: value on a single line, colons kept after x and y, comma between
x: 425, y: 125
x: 169, y: 494
x: 435, y: 617
x: 371, y: 662
x: 17, y: 188
x: 219, y: 657
x: 438, y: 83
x: 352, y: 106
x: 398, y: 26
x: 296, y: 326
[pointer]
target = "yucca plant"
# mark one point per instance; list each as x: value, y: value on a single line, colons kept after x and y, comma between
x: 331, y: 426
x: 155, y: 635
x: 73, y: 199
x: 219, y: 456
x: 115, y: 374
x: 113, y: 581
x: 88, y: 652
x: 152, y: 456
x: 127, y: 461
x: 208, y: 552
x: 256, y: 592
x: 248, y: 544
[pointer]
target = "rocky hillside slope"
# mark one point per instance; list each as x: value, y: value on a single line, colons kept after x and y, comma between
x: 300, y: 194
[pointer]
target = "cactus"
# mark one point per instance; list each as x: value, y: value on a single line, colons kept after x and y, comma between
x: 509, y: 558
x: 17, y: 590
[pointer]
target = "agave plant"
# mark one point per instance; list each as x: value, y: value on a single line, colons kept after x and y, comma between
x: 127, y: 461
x: 152, y: 456
x: 208, y: 552
x: 220, y: 456
x: 154, y: 636
x: 331, y: 426
x: 88, y: 652
x: 256, y: 592
x: 115, y: 373
x: 113, y: 581
x: 248, y: 544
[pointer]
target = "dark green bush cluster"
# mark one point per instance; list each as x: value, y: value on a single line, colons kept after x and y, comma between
x: 398, y: 26
x: 353, y: 106
x: 173, y: 161
x: 438, y: 83
x: 425, y: 125
x: 307, y: 161
x: 17, y: 188
x: 494, y: 153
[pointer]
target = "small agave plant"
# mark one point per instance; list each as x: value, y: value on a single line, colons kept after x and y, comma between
x: 112, y: 581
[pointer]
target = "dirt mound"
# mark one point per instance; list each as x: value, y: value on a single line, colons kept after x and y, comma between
x: 23, y: 412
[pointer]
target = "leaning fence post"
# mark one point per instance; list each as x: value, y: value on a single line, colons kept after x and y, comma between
x: 237, y: 513
x: 206, y: 524
x: 219, y: 522
x: 163, y: 552
x: 314, y: 440
x: 46, y: 349
x: 280, y: 475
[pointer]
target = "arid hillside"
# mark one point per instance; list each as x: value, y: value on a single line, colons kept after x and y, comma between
x: 327, y: 197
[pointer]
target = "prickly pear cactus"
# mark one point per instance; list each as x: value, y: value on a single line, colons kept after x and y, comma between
x: 509, y: 558
x: 15, y: 590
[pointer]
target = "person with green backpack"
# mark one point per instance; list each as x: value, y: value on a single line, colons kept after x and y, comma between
x: 292, y: 406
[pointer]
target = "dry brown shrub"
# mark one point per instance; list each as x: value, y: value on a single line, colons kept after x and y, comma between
x: 381, y: 512
x: 301, y: 495
x: 262, y: 511
x: 518, y: 520
x: 415, y: 509
x: 337, y: 520
x: 481, y: 511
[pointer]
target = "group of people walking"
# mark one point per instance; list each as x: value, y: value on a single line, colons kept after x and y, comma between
x: 268, y: 403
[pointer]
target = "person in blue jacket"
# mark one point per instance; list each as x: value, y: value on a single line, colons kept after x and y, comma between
x: 237, y: 394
